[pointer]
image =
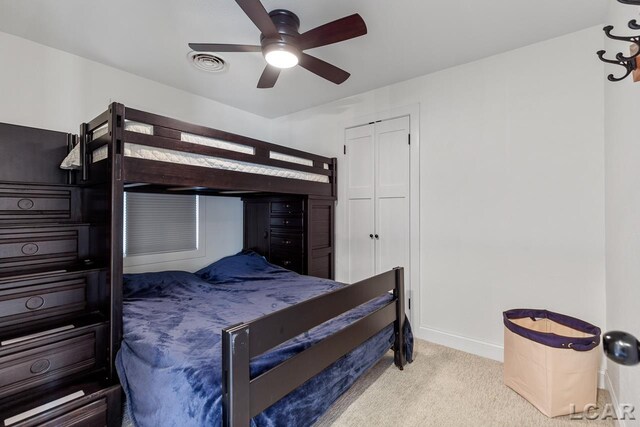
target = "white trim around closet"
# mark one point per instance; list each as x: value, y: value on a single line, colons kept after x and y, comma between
x: 413, y: 111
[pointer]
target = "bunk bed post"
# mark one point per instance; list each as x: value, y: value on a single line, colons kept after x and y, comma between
x: 399, y: 356
x: 235, y: 376
x: 71, y: 141
x: 116, y: 203
x: 84, y: 158
x: 334, y: 181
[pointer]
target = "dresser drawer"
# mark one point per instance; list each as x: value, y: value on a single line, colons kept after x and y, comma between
x: 32, y: 247
x: 91, y: 404
x: 290, y: 261
x: 28, y: 364
x: 288, y: 241
x: 287, y: 221
x: 92, y: 415
x: 33, y: 300
x: 24, y: 202
x: 294, y: 206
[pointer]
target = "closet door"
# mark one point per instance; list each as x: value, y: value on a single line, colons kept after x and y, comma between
x: 392, y: 194
x: 360, y: 147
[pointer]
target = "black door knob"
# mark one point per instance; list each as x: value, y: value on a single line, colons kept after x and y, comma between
x: 377, y: 237
x: 371, y: 235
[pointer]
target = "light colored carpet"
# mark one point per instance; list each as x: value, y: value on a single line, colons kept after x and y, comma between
x: 442, y: 387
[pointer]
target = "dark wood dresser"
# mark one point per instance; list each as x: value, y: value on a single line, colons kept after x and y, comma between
x: 294, y: 232
x: 54, y: 298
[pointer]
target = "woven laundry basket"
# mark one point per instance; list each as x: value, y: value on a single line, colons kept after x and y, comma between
x: 551, y: 360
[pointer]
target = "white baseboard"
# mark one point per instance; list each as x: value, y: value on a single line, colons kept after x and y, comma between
x: 466, y: 344
x: 602, y: 379
x: 477, y: 347
x: 614, y: 400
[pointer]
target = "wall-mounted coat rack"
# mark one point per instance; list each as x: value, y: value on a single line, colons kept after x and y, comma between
x: 630, y: 63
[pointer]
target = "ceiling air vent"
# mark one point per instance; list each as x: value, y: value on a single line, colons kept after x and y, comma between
x: 207, y: 62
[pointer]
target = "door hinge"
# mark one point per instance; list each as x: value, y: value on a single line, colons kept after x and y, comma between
x: 409, y: 138
x: 345, y: 149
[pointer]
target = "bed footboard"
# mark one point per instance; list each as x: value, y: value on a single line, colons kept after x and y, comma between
x: 244, y: 398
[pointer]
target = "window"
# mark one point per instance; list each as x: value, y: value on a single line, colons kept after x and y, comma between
x: 156, y: 224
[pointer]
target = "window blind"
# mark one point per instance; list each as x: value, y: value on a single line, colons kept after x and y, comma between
x: 160, y: 223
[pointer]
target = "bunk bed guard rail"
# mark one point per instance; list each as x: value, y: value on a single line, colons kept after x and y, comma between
x: 117, y: 137
x: 244, y: 398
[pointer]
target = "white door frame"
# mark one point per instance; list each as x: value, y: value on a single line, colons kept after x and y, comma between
x: 413, y: 111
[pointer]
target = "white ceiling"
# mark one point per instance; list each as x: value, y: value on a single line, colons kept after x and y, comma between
x: 406, y: 38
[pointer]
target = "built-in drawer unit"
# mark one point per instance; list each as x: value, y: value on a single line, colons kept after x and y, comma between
x: 31, y: 361
x: 30, y: 301
x: 34, y: 247
x: 32, y: 202
x: 292, y: 231
x: 287, y: 221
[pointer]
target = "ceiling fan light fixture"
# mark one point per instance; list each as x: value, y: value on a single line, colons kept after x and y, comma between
x: 282, y: 56
x: 283, y: 46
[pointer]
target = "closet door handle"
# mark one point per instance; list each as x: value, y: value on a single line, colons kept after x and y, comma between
x: 371, y: 236
x: 377, y: 237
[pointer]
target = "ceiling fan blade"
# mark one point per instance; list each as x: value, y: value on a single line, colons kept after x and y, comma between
x: 342, y: 29
x: 323, y: 69
x: 217, y: 47
x: 258, y: 14
x: 269, y: 77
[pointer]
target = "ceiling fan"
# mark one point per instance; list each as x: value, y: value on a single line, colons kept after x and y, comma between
x: 282, y: 45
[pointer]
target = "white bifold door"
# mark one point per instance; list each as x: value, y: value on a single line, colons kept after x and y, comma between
x: 378, y: 197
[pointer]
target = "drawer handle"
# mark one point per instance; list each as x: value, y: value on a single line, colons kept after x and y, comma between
x: 287, y: 242
x: 25, y: 204
x: 287, y: 262
x: 30, y: 249
x: 287, y: 205
x: 40, y: 366
x: 34, y: 303
x: 286, y: 221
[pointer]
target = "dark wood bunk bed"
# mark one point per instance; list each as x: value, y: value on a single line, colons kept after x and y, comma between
x: 103, y: 185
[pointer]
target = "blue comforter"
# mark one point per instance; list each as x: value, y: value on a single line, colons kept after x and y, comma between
x: 170, y: 360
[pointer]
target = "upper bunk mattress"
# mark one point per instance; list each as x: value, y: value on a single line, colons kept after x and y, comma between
x: 73, y: 160
x: 170, y: 359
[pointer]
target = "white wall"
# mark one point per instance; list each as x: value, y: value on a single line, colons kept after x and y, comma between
x: 47, y: 88
x: 511, y: 186
x: 623, y: 209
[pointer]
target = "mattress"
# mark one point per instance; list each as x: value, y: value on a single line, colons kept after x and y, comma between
x: 73, y: 160
x: 170, y: 360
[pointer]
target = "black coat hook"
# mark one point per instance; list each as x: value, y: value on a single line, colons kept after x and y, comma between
x: 631, y: 39
x: 629, y: 66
